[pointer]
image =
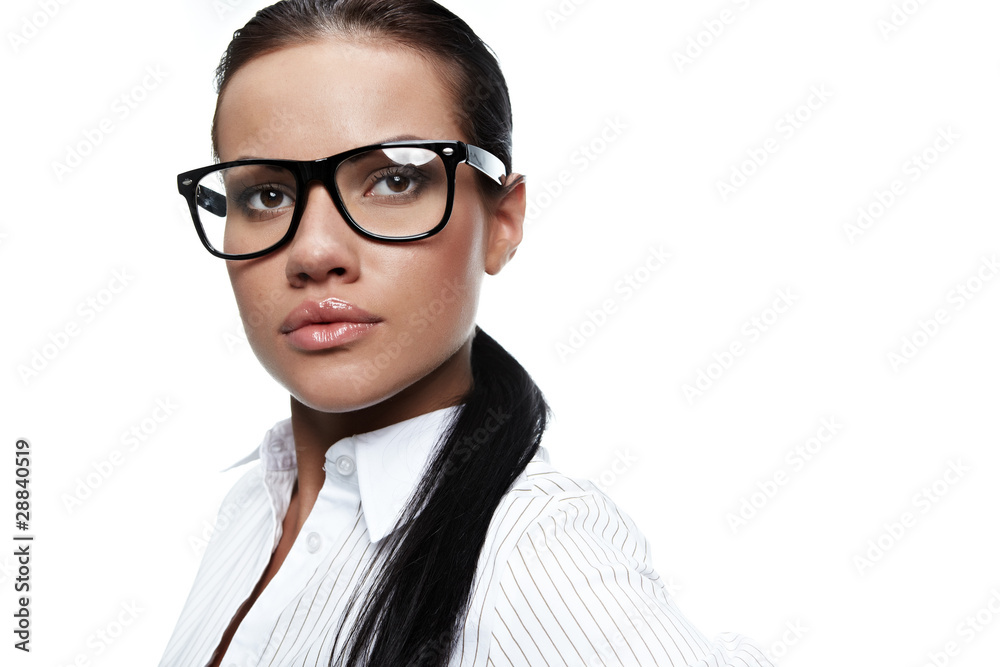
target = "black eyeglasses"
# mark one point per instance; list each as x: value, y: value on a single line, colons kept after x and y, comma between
x: 397, y: 191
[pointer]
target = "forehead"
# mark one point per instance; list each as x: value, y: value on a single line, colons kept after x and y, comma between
x: 317, y: 99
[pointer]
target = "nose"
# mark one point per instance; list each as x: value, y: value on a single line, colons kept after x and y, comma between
x: 324, y: 245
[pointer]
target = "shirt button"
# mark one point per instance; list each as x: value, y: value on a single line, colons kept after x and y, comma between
x: 345, y: 465
x: 313, y: 542
x: 276, y: 447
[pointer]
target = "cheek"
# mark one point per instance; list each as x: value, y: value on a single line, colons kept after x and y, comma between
x: 459, y: 269
x: 257, y: 299
x: 446, y: 269
x: 467, y: 251
x: 434, y: 295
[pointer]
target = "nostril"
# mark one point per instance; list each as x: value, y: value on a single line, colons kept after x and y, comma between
x: 339, y: 271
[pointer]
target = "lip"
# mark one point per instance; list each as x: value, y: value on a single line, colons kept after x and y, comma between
x: 320, y: 325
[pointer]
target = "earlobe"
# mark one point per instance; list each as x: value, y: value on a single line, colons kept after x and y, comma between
x: 506, y: 226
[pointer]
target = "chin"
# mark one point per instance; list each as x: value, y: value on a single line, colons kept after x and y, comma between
x: 335, y: 384
x: 346, y: 390
x: 335, y: 402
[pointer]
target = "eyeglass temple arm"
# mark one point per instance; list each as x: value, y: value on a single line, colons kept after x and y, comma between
x: 487, y: 163
x: 211, y: 201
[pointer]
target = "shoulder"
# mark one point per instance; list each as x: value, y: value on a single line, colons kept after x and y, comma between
x: 555, y: 543
x: 546, y: 503
x: 569, y: 579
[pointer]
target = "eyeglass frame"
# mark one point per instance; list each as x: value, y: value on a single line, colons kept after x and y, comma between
x: 324, y: 170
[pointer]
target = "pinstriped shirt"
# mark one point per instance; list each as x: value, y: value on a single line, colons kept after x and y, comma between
x: 564, y: 577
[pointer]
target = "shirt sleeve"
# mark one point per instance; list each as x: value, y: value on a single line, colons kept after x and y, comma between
x: 578, y: 589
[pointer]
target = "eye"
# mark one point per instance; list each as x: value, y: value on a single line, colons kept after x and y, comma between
x: 395, y: 181
x: 267, y: 198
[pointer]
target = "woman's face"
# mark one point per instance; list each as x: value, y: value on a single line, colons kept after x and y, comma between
x: 315, y: 100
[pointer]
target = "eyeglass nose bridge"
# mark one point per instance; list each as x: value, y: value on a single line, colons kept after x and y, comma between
x: 323, y: 171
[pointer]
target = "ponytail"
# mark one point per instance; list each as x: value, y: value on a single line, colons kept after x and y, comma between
x: 412, y: 601
x: 416, y: 605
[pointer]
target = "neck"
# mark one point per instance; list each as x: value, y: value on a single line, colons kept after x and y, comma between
x: 315, y: 431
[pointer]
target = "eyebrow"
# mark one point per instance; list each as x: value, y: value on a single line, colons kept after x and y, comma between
x: 398, y: 137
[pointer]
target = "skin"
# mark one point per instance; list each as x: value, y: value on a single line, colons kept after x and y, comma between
x: 331, y: 96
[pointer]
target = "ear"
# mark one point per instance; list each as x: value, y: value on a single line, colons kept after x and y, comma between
x: 506, y: 225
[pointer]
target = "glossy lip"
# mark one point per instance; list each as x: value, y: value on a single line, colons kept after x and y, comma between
x: 318, y: 325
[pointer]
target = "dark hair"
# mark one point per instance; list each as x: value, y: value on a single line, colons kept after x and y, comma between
x: 422, y: 575
x: 464, y: 61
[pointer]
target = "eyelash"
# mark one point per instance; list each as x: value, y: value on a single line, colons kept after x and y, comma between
x: 247, y: 194
x: 416, y: 177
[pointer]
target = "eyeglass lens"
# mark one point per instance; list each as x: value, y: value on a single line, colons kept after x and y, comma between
x: 395, y: 192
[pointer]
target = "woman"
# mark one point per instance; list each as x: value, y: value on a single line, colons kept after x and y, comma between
x: 405, y: 513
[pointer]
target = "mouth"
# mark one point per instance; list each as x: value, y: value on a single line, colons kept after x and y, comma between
x: 320, y: 325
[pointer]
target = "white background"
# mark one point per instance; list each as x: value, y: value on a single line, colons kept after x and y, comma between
x: 679, y: 464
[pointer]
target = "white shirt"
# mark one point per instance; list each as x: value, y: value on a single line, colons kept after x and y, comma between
x: 564, y: 577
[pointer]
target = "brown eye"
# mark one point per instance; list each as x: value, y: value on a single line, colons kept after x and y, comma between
x: 398, y: 183
x: 271, y: 198
x: 265, y: 198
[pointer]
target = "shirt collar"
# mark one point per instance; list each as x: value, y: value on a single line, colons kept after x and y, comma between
x: 276, y: 451
x: 389, y: 461
x: 390, y: 465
